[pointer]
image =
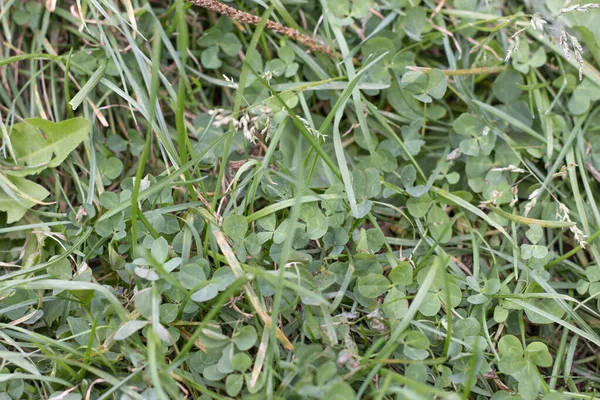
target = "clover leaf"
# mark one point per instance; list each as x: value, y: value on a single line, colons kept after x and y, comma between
x: 506, y: 86
x: 522, y: 364
x: 584, y: 95
x: 523, y: 60
x: 534, y: 234
x: 214, y: 41
x: 482, y: 139
x: 287, y: 56
x: 425, y: 86
x: 373, y: 285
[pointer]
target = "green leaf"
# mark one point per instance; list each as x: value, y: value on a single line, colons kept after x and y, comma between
x: 191, y: 275
x: 402, y: 274
x: 116, y: 143
x: 549, y: 306
x: 235, y: 226
x: 438, y: 222
x: 431, y: 305
x: 506, y: 86
x: 17, y: 195
x: 492, y: 286
x: 29, y: 146
x: 128, y: 329
x: 377, y: 46
x: 168, y: 312
x: 233, y: 384
x: 241, y: 362
x: 500, y: 314
x: 210, y: 58
x: 419, y: 206
x: 372, y: 285
x: 528, y: 251
x: 401, y: 60
x: 21, y: 17
x: 510, y: 345
x: 60, y: 269
x: 529, y: 382
x: 60, y: 140
x: 207, y: 293
x: 538, y: 354
x: 366, y: 183
x: 414, y: 22
x: 212, y: 373
x: 340, y: 391
x: 253, y: 244
x: 436, y: 83
x: 478, y: 166
x: 224, y: 364
x: 370, y: 241
x: 477, y: 299
x: 222, y: 278
x: 291, y: 70
x: 110, y: 167
x: 408, y: 176
x: 414, y: 79
x: 231, y: 45
x: 80, y: 328
x: 579, y: 103
x: 416, y: 339
x: 535, y: 233
x: 470, y: 147
x: 466, y: 327
x: 143, y: 302
x: 89, y: 86
x: 160, y: 250
x: 453, y: 177
x: 539, y: 58
x: 245, y: 338
x: 268, y: 223
x: 316, y: 222
x: 468, y: 125
x: 395, y: 305
x: 282, y: 231
x: 486, y: 142
x: 210, y: 38
x: 512, y: 364
x: 286, y: 54
x: 593, y: 273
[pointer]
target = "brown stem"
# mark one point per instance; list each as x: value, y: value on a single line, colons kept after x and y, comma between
x: 244, y: 17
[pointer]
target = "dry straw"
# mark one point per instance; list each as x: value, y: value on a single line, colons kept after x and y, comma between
x: 244, y: 17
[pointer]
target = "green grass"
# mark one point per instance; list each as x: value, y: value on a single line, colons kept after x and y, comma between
x: 195, y: 205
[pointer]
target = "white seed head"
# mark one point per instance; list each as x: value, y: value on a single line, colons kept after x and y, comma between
x: 453, y: 155
x: 537, y: 22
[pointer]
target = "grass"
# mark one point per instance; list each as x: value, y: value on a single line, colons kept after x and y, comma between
x: 358, y: 199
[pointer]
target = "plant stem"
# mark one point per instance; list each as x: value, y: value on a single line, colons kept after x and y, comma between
x: 460, y: 72
x: 244, y: 17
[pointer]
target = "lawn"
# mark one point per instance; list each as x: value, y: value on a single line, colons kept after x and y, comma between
x: 334, y: 199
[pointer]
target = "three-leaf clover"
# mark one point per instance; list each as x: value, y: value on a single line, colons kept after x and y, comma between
x: 523, y: 59
x: 214, y: 40
x: 490, y: 288
x: 481, y: 138
x: 343, y: 12
x: 425, y: 86
x: 158, y: 256
x: 522, y: 364
x: 439, y: 291
x: 534, y: 234
x: 584, y: 95
x: 286, y: 57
